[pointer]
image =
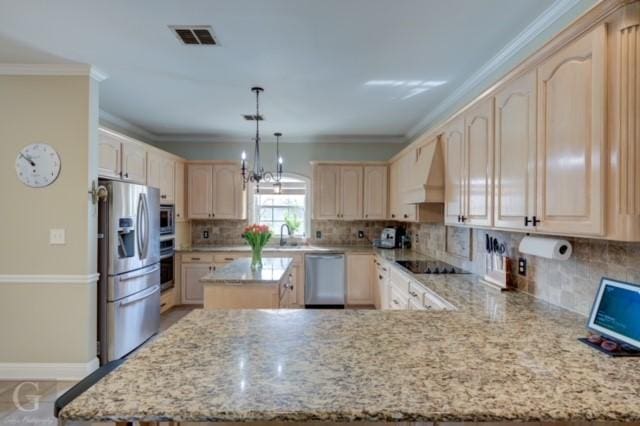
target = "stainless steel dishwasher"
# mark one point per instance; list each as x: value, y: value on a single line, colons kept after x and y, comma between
x: 325, y: 280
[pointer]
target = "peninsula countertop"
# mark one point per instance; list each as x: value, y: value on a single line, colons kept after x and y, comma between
x: 273, y: 271
x: 497, y: 357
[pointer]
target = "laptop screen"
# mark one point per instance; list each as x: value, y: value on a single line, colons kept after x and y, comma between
x: 616, y: 311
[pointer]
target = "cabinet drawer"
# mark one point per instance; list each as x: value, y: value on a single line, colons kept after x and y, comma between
x: 229, y: 257
x: 398, y: 299
x: 197, y: 258
x: 167, y: 300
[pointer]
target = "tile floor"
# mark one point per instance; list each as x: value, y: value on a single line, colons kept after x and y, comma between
x: 31, y: 402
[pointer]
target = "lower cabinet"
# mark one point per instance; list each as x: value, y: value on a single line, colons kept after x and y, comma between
x: 192, y: 290
x: 359, y: 282
x: 167, y: 300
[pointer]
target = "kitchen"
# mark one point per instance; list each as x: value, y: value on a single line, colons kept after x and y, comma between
x: 442, y: 271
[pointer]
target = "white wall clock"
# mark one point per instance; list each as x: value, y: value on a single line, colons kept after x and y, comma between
x: 38, y: 165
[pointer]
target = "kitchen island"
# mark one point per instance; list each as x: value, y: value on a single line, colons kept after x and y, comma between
x: 496, y: 357
x: 238, y: 286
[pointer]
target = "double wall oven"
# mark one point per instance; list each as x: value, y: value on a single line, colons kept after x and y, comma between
x: 167, y: 247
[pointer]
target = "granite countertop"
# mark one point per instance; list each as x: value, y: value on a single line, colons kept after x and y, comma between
x: 273, y: 270
x: 497, y: 357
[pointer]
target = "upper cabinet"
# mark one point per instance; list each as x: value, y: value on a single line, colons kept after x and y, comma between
x: 351, y: 192
x: 515, y: 154
x: 571, y: 138
x: 478, y: 179
x: 327, y: 196
x: 454, y: 160
x: 109, y: 155
x: 375, y: 192
x: 339, y: 192
x: 134, y: 163
x: 214, y: 191
x: 161, y: 174
x: 179, y: 190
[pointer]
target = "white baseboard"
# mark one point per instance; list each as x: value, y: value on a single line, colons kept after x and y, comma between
x: 47, y: 371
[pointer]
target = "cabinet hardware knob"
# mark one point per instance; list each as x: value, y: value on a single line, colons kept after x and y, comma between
x: 462, y: 219
x: 177, y: 214
x: 379, y: 277
x: 195, y: 258
x: 162, y: 305
x: 406, y: 216
x: 126, y: 175
x: 393, y: 215
x: 163, y: 196
x: 536, y: 221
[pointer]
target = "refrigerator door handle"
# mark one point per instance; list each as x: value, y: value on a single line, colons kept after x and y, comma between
x: 141, y: 296
x: 146, y: 226
x: 139, y: 226
x: 136, y: 274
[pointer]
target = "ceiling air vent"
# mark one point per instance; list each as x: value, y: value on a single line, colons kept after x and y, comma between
x: 195, y: 34
x: 253, y: 117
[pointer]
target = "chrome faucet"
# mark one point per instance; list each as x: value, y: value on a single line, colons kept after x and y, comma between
x: 282, y: 240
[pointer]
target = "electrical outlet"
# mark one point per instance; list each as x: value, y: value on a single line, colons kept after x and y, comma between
x: 360, y: 234
x: 416, y: 238
x: 318, y: 235
x: 522, y: 266
x: 205, y: 234
x: 56, y: 237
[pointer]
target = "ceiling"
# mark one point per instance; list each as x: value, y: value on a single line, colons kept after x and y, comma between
x: 330, y: 68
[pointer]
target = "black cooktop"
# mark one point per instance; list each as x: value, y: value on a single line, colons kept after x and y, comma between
x: 430, y: 267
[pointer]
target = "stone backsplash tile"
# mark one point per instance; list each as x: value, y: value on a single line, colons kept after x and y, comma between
x: 571, y: 284
x: 346, y: 232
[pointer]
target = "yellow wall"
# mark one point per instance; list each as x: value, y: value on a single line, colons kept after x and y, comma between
x: 48, y: 322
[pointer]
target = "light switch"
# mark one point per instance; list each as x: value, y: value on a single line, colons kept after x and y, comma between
x: 56, y: 237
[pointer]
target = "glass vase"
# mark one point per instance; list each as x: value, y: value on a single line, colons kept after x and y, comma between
x: 256, y: 258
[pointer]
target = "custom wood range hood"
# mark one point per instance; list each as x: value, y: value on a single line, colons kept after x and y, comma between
x: 426, y: 175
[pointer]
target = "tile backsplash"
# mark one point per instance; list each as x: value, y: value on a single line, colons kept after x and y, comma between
x: 571, y: 284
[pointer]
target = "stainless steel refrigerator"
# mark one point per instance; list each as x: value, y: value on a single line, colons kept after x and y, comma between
x: 129, y: 266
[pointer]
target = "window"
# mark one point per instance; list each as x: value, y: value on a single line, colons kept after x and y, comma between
x: 290, y: 205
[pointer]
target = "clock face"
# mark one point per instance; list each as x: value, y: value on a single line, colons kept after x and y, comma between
x: 37, y: 165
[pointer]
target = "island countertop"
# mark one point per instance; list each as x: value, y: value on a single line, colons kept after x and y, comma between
x: 273, y: 271
x: 498, y: 357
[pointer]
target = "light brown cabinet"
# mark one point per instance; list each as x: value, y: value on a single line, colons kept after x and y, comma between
x: 161, y: 174
x: 478, y: 176
x: 192, y: 289
x: 515, y: 154
x: 214, y: 191
x: 454, y: 150
x: 394, y: 191
x: 571, y: 138
x: 179, y: 191
x: 359, y: 279
x: 338, y: 192
x: 375, y: 192
x: 121, y: 158
x: 134, y: 163
x: 109, y: 156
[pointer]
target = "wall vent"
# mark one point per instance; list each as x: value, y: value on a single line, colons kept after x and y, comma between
x: 253, y: 117
x: 194, y: 34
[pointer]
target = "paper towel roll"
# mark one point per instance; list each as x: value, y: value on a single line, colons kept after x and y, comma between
x: 550, y: 248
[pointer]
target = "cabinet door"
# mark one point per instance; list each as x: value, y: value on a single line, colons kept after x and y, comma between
x: 479, y: 165
x: 179, y: 190
x: 109, y: 152
x: 199, y: 193
x: 454, y: 167
x: 571, y: 125
x: 394, y: 190
x: 375, y: 192
x: 154, y: 171
x: 515, y: 167
x: 192, y: 289
x: 408, y: 212
x: 327, y: 192
x: 228, y: 196
x: 359, y: 288
x: 351, y: 188
x: 134, y: 163
x: 167, y: 181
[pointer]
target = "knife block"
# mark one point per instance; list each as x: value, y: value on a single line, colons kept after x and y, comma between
x: 498, y: 272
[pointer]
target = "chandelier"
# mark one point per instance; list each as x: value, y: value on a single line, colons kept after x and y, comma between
x: 257, y: 173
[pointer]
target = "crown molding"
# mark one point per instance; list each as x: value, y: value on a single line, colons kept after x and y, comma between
x: 200, y: 138
x: 123, y: 126
x: 543, y: 22
x: 49, y: 279
x: 54, y: 69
